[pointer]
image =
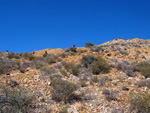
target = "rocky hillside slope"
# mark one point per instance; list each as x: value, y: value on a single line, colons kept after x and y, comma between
x: 113, y: 77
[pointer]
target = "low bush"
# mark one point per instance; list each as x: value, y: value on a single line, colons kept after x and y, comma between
x: 144, y: 68
x: 31, y: 57
x: 51, y: 61
x: 100, y: 66
x: 7, y: 65
x: 62, y: 90
x: 89, y: 44
x: 28, y: 56
x: 63, y: 55
x: 72, y: 49
x: 126, y: 68
x: 139, y: 102
x: 122, y: 66
x: 45, y: 54
x: 25, y: 55
x: 63, y: 72
x: 17, y: 100
x: 87, y: 60
x: 72, y: 68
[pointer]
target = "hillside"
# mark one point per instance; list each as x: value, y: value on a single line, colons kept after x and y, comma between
x: 113, y: 77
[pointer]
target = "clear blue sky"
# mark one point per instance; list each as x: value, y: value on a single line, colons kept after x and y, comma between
x: 28, y: 25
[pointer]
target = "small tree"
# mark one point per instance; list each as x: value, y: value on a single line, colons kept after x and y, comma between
x: 89, y: 44
x: 120, y: 37
x: 45, y: 54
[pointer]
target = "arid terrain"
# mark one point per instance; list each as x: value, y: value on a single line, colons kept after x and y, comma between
x: 113, y: 77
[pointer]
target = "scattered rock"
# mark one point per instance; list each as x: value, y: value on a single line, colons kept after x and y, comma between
x: 148, y: 82
x: 42, y: 100
x: 109, y: 79
x: 125, y: 88
x: 13, y: 83
x: 106, y: 92
x: 141, y: 83
x: 101, y: 82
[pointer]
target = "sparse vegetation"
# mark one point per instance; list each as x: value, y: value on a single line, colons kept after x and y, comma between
x: 65, y: 76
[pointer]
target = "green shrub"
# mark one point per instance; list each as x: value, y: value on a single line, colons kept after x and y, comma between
x: 45, y: 54
x: 63, y: 55
x: 62, y: 90
x: 89, y: 44
x: 31, y: 57
x: 26, y: 55
x: 140, y: 102
x: 87, y: 60
x: 63, y: 72
x: 51, y: 61
x: 72, y: 68
x: 17, y: 100
x: 144, y: 68
x: 72, y: 49
x: 100, y: 66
